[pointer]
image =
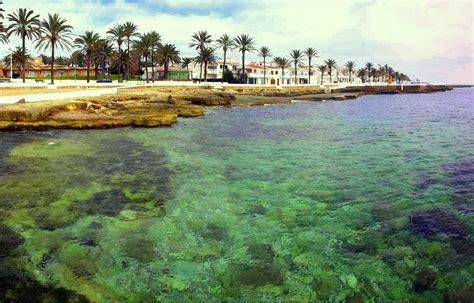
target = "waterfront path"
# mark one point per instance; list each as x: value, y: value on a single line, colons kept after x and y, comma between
x: 58, y: 95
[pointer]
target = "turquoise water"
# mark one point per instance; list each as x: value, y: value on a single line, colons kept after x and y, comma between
x: 360, y: 201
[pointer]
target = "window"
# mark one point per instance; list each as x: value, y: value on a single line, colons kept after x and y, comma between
x: 276, y: 72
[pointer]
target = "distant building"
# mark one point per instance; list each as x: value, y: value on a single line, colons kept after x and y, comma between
x: 38, y: 69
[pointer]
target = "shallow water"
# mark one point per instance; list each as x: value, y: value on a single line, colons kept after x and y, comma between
x: 361, y: 200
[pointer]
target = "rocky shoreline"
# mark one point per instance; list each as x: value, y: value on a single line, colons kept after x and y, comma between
x: 161, y: 105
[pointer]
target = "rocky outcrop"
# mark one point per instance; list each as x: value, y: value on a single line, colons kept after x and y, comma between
x: 102, y: 112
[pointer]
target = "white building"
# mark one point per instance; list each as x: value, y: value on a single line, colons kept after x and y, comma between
x: 272, y: 75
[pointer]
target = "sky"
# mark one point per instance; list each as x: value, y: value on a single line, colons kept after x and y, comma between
x: 427, y: 40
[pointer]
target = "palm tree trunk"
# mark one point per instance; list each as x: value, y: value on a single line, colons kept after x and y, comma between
x: 330, y: 76
x: 23, y: 61
x: 264, y: 72
x: 296, y: 71
x: 243, y: 68
x: 88, y: 67
x: 120, y: 63
x: 166, y: 70
x: 322, y: 76
x: 152, y: 67
x: 205, y: 71
x: 200, y: 72
x: 223, y: 66
x: 282, y: 72
x: 146, y: 68
x: 309, y: 71
x: 350, y: 77
x: 187, y: 69
x: 52, y: 62
x: 128, y: 51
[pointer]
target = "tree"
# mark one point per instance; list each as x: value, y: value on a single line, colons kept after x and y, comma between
x: 199, y: 41
x: 130, y: 30
x: 322, y: 69
x: 155, y: 42
x: 296, y: 56
x: 205, y: 56
x: 362, y: 73
x: 185, y: 63
x: 168, y: 54
x: 369, y: 66
x: 3, y: 35
x: 54, y: 32
x: 26, y: 24
x: 142, y: 48
x: 282, y: 62
x: 350, y: 65
x: 117, y: 34
x: 330, y: 64
x: 88, y: 43
x: 310, y: 53
x: 19, y: 61
x: 265, y: 53
x: 244, y: 43
x: 78, y: 58
x: 226, y: 43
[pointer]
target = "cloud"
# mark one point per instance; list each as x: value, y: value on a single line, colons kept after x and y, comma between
x: 432, y: 40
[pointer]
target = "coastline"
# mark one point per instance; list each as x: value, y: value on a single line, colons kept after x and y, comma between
x: 153, y: 106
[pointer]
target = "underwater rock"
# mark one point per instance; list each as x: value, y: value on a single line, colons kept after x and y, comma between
x: 424, y: 280
x: 438, y: 221
x: 19, y: 287
x: 459, y: 296
x: 108, y: 203
x: 213, y: 231
x: 261, y: 252
x: 355, y: 298
x: 462, y: 174
x: 138, y: 247
x: 9, y: 240
x: 325, y: 285
x: 257, y: 275
x: 258, y: 210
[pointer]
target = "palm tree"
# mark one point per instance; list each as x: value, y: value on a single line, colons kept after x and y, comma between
x: 369, y: 66
x: 167, y: 54
x: 19, y: 61
x: 25, y: 24
x: 296, y: 56
x: 89, y: 45
x: 155, y: 41
x: 282, y: 62
x: 199, y: 41
x: 330, y: 64
x: 54, y: 32
x: 3, y: 36
x: 205, y: 56
x: 117, y: 34
x: 361, y: 73
x: 310, y: 53
x: 350, y: 65
x: 322, y: 69
x: 265, y: 53
x: 142, y: 48
x: 244, y: 43
x: 226, y: 43
x: 185, y: 63
x: 130, y: 30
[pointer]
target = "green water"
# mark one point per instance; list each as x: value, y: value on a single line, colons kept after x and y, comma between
x: 359, y: 201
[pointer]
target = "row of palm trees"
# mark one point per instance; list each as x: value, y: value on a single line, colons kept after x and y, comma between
x: 202, y: 42
x: 126, y: 48
x: 53, y: 32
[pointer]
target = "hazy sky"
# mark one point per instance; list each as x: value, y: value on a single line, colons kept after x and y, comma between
x: 429, y: 40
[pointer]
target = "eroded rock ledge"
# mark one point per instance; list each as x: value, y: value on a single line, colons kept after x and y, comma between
x: 154, y: 106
